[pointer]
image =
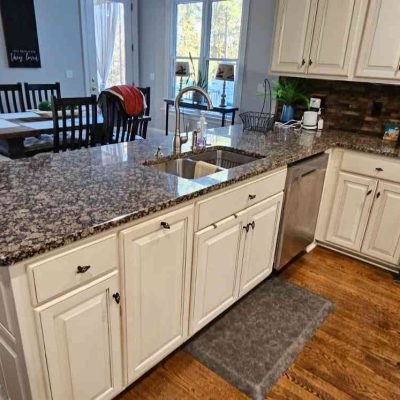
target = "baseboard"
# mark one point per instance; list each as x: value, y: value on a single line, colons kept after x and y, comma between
x: 367, y: 260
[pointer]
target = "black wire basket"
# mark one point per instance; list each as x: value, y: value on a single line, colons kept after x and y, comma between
x: 260, y: 121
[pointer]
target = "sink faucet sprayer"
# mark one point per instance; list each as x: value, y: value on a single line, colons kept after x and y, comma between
x: 178, y: 139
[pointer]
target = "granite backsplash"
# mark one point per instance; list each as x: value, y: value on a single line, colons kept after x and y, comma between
x: 354, y: 106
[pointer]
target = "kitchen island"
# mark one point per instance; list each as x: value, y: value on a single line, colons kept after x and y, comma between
x: 54, y: 199
x: 108, y: 265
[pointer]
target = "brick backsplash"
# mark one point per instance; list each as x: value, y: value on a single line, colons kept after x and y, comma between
x: 349, y: 105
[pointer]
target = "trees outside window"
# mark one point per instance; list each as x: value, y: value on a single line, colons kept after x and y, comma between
x: 207, y: 33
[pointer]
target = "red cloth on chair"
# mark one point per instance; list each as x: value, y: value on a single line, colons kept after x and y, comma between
x: 131, y: 97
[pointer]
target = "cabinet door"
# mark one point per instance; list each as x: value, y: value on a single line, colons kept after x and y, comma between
x: 382, y: 239
x: 293, y: 32
x: 82, y: 340
x: 380, y: 47
x: 333, y: 38
x: 351, y: 208
x: 157, y: 257
x: 217, y: 260
x: 259, y: 253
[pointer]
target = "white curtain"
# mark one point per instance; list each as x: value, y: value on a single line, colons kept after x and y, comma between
x: 106, y: 13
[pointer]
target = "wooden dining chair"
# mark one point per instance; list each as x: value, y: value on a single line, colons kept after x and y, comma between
x: 146, y: 117
x: 119, y: 126
x: 35, y: 93
x: 11, y: 98
x: 75, y: 122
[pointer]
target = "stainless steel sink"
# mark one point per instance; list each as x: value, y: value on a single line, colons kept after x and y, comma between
x: 185, y: 167
x: 223, y: 158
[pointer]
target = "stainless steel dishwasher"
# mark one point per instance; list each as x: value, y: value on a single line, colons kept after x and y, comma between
x: 303, y: 191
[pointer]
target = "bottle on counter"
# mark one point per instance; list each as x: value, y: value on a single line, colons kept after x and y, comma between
x: 202, y: 130
x: 320, y: 121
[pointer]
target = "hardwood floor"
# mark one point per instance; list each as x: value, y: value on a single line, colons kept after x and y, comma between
x: 354, y: 355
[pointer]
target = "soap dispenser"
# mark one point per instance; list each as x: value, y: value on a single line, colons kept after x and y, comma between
x: 202, y: 130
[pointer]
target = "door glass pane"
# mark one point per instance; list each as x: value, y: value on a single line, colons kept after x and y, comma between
x: 225, y: 29
x: 189, y: 29
x: 110, y: 42
x: 118, y: 67
x: 215, y: 87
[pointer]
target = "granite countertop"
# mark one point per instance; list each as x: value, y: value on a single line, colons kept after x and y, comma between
x: 54, y: 199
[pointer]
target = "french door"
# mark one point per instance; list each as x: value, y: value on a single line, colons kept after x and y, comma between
x: 109, y: 38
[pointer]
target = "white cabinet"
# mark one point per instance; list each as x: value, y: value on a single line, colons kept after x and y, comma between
x: 261, y: 237
x: 293, y: 31
x: 315, y: 37
x: 157, y: 258
x: 379, y: 55
x: 351, y: 208
x: 82, y: 341
x: 216, y: 269
x: 232, y: 257
x: 382, y: 238
x: 333, y: 37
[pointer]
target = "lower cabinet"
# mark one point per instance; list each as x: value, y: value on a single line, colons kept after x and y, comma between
x: 259, y: 253
x: 382, y: 238
x: 218, y: 254
x: 82, y: 339
x: 157, y: 258
x: 231, y: 257
x: 350, y: 211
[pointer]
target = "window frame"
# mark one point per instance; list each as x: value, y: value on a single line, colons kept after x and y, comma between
x: 205, y: 58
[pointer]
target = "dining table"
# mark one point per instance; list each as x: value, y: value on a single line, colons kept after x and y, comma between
x: 16, y: 127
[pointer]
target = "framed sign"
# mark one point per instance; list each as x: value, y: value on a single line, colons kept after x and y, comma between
x: 20, y: 33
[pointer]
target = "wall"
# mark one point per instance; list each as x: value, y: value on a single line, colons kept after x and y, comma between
x: 153, y: 57
x: 258, y: 52
x: 59, y: 34
x: 349, y: 105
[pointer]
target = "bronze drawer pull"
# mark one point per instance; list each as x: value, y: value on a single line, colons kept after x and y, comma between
x: 117, y: 297
x: 247, y: 227
x: 252, y: 196
x: 82, y: 270
x: 165, y: 225
x: 379, y: 169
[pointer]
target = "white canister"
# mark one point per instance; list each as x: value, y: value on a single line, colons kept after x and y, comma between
x: 310, y: 120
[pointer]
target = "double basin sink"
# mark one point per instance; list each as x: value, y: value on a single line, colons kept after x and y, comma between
x: 218, y: 160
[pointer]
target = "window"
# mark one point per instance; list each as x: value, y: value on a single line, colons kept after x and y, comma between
x: 205, y: 34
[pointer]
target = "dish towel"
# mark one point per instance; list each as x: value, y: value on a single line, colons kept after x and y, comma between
x: 202, y: 169
x: 132, y: 99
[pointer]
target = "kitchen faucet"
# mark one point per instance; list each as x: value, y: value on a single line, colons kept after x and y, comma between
x: 178, y: 139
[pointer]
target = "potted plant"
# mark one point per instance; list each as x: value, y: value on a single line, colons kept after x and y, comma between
x: 197, y: 80
x: 290, y: 92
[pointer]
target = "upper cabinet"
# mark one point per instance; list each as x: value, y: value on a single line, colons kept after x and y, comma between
x: 293, y: 33
x: 347, y: 39
x: 333, y: 38
x: 380, y: 47
x: 315, y: 36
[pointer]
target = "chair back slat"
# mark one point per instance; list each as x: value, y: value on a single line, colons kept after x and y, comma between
x: 118, y: 126
x: 11, y: 98
x: 35, y: 93
x: 78, y: 127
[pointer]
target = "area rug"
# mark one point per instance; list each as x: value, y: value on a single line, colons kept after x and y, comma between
x: 253, y: 343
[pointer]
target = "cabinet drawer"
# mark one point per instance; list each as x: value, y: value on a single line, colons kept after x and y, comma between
x: 371, y: 165
x: 65, y: 271
x: 232, y: 201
